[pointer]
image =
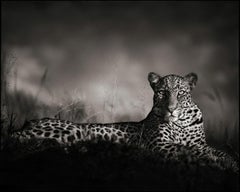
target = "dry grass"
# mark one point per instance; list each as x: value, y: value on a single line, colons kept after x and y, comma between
x: 222, y: 133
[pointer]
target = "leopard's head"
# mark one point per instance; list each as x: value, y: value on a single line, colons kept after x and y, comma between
x: 172, y: 99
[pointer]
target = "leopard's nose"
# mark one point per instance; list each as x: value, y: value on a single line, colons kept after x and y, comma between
x: 172, y: 103
x: 171, y: 108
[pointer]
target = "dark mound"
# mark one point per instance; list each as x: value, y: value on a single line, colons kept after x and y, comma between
x: 106, y: 166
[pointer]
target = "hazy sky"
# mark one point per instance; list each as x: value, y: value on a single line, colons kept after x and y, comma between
x: 101, y: 52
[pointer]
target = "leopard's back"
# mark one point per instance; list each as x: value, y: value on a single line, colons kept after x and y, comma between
x: 67, y: 132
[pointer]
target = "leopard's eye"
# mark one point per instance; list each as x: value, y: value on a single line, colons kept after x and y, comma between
x: 181, y: 92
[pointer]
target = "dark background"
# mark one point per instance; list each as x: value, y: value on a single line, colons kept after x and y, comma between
x: 88, y: 61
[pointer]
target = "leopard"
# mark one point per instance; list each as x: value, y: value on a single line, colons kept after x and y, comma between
x: 173, y: 126
x: 179, y: 122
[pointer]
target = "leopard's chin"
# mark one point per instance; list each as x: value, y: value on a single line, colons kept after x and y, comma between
x: 173, y: 119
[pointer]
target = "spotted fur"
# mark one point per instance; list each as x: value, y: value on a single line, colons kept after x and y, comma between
x: 67, y: 133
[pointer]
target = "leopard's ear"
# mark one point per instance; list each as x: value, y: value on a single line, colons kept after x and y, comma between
x: 191, y: 78
x: 153, y: 77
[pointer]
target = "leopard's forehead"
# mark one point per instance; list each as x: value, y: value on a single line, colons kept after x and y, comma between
x: 173, y: 82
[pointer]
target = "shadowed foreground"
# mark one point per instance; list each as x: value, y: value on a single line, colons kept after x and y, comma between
x: 104, y: 165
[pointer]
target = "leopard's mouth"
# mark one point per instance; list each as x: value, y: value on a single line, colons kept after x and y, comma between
x: 171, y: 117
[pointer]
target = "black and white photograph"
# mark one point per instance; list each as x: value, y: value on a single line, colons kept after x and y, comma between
x: 119, y: 95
